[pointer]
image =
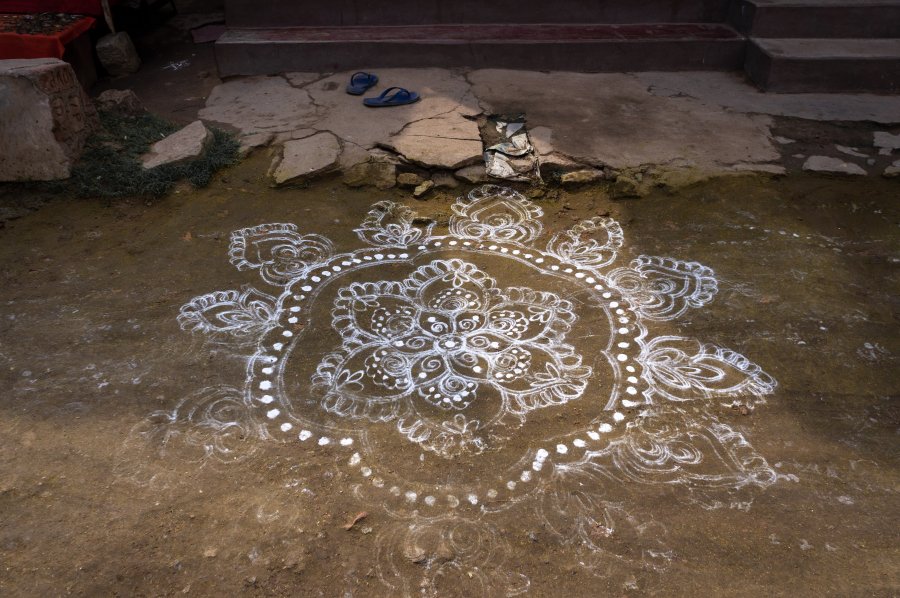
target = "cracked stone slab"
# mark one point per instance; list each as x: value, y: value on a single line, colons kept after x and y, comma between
x: 731, y: 91
x: 442, y: 92
x: 828, y: 165
x: 301, y: 79
x: 612, y: 119
x: 305, y: 158
x: 449, y: 141
x: 260, y: 104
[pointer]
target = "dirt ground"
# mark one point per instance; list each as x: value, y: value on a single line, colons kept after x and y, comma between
x: 136, y: 463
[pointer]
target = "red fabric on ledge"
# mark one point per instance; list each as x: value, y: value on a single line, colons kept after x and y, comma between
x: 18, y: 45
x: 74, y: 7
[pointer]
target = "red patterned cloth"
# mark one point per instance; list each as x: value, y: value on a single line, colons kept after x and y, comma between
x: 76, y: 7
x: 46, y: 45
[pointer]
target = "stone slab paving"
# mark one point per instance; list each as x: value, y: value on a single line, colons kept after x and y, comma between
x: 645, y: 128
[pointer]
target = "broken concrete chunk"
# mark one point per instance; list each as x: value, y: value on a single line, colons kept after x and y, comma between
x: 185, y: 144
x: 542, y: 140
x: 472, y: 174
x: 551, y: 164
x: 117, y: 54
x: 353, y: 155
x: 381, y: 175
x: 250, y: 142
x: 828, y: 165
x: 450, y: 141
x: 892, y: 171
x: 44, y: 120
x: 303, y: 159
x: 579, y: 177
x: 422, y: 189
x: 887, y: 141
x: 120, y: 101
x: 409, y: 179
x: 850, y: 151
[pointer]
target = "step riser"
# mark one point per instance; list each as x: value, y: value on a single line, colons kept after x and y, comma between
x: 594, y: 56
x: 329, y: 13
x: 816, y: 21
x: 792, y: 75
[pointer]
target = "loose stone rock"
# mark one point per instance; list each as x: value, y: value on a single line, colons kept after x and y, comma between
x: 472, y: 174
x: 579, y: 177
x: 409, y: 179
x: 828, y: 165
x: 120, y: 101
x: 305, y: 158
x: 445, y: 181
x: 422, y: 189
x: 375, y: 173
x: 185, y: 144
x: 44, y: 120
x: 117, y: 54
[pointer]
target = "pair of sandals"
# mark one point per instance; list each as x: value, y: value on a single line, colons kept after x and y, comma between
x: 361, y: 82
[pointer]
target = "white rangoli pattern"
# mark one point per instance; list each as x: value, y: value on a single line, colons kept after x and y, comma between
x: 428, y: 341
x: 444, y: 336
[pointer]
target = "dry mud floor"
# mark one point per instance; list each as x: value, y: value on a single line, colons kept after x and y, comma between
x: 141, y: 456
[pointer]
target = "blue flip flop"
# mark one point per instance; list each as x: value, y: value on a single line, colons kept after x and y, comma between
x: 400, y: 97
x: 361, y: 82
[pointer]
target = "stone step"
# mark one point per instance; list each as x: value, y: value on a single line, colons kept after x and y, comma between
x: 817, y: 18
x: 825, y: 65
x: 588, y: 48
x: 316, y: 13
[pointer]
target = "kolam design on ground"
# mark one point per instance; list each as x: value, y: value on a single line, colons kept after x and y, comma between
x: 463, y: 370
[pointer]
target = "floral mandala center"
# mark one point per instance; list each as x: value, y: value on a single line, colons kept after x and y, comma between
x: 447, y: 337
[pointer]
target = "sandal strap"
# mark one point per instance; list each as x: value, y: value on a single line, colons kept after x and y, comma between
x: 363, y: 73
x: 400, y: 90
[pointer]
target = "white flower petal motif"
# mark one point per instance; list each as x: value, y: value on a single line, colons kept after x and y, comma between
x: 240, y: 314
x: 589, y: 244
x: 682, y: 369
x: 662, y: 288
x: 496, y: 214
x: 390, y: 224
x: 279, y: 252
